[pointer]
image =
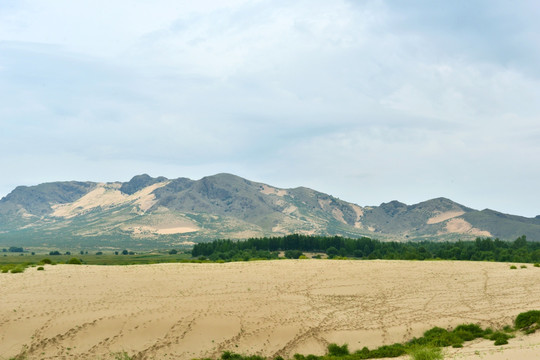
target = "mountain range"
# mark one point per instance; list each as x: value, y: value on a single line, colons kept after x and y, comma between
x: 149, y: 212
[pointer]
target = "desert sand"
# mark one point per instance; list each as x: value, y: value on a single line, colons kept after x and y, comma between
x: 185, y: 311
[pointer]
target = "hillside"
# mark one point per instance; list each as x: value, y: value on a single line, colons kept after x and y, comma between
x: 149, y: 212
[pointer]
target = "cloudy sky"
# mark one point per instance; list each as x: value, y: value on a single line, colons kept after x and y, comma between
x: 369, y: 101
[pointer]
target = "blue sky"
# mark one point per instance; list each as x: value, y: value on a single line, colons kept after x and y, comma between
x: 369, y: 101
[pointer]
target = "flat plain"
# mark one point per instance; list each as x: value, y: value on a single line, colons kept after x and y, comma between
x: 269, y: 308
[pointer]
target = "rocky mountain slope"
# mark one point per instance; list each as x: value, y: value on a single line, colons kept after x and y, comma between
x: 153, y: 212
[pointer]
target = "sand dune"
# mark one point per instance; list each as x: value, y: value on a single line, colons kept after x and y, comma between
x: 183, y: 311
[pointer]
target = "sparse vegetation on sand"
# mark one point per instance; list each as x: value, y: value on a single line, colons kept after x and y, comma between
x: 427, y: 347
x: 20, y: 263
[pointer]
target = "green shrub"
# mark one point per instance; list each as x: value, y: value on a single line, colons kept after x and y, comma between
x: 17, y: 269
x: 40, y: 268
x: 438, y: 337
x: 387, y: 351
x: 527, y: 319
x: 332, y: 251
x: 122, y: 356
x: 513, y: 267
x: 227, y: 355
x: 468, y: 332
x: 508, y: 328
x: 74, y: 261
x: 336, y: 350
x: 46, y: 261
x: 293, y: 254
x: 523, y: 266
x: 500, y: 338
x: 425, y: 353
x: 536, y: 265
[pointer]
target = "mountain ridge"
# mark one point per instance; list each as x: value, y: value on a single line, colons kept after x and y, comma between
x: 148, y: 211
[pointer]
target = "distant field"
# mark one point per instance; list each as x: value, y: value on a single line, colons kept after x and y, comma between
x: 186, y: 311
x: 92, y: 259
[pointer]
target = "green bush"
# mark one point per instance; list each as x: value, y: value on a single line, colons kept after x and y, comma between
x: 46, y: 261
x: 74, y: 261
x: 336, y: 350
x: 293, y: 254
x: 332, y: 251
x: 425, y: 353
x: 536, y: 265
x: 513, y: 267
x: 500, y: 338
x: 17, y: 270
x: 40, y: 268
x: 122, y: 356
x: 385, y: 351
x: 523, y: 266
x: 438, y: 337
x: 526, y: 319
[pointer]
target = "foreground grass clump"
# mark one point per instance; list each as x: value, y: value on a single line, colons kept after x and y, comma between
x: 425, y: 353
x: 528, y: 321
x: 122, y: 356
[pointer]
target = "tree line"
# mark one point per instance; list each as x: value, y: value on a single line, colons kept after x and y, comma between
x: 481, y: 249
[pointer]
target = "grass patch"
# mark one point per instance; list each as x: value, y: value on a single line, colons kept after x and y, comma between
x: 121, y: 356
x: 500, y: 338
x: 425, y: 353
x: 513, y: 267
x: 74, y: 261
x: 528, y: 321
x: 13, y: 268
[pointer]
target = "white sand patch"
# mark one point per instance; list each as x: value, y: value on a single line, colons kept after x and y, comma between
x: 358, y: 210
x: 324, y: 203
x: 444, y: 216
x: 269, y: 190
x: 460, y: 226
x: 338, y: 215
x: 144, y: 198
x: 290, y: 209
x: 104, y: 196
x: 176, y: 230
x: 107, y: 196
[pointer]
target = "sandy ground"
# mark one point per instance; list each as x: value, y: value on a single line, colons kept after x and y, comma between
x: 183, y: 311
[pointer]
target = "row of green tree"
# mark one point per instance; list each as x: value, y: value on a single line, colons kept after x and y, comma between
x: 482, y: 249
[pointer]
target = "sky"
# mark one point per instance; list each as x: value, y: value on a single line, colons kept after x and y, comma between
x: 369, y: 101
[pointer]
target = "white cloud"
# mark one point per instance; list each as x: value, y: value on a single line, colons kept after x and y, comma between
x: 405, y: 102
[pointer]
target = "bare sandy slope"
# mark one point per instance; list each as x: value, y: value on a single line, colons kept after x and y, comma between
x: 182, y: 311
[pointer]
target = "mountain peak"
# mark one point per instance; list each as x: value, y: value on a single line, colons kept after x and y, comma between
x: 139, y: 182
